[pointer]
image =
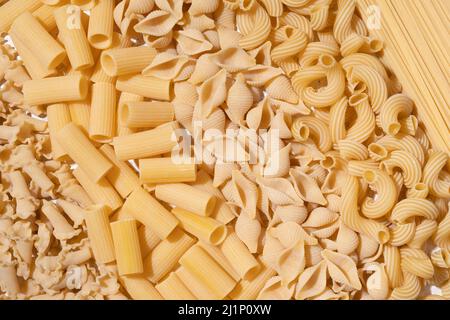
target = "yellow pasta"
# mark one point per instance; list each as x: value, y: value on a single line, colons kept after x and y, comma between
x: 123, y: 178
x: 101, y: 24
x: 166, y: 255
x: 80, y: 113
x: 186, y: 197
x: 434, y: 165
x: 148, y: 87
x: 10, y: 10
x: 126, y: 247
x: 56, y: 89
x: 122, y: 61
x: 215, y: 278
x: 155, y: 216
x: 164, y: 170
x: 204, y: 228
x: 83, y: 152
x: 172, y: 288
x: 102, y: 122
x: 58, y: 116
x: 101, y: 191
x: 33, y: 35
x: 145, y: 114
x: 74, y: 40
x: 140, y: 288
x: 99, y: 232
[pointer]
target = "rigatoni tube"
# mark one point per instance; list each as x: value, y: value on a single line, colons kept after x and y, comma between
x: 83, y: 152
x: 142, y: 206
x: 204, y: 228
x: 48, y: 51
x: 164, y: 170
x: 57, y: 89
x: 146, y: 143
x: 101, y: 24
x: 121, y: 176
x: 101, y: 192
x: 121, y: 61
x: 145, y: 114
x: 10, y: 10
x: 99, y: 233
x: 58, y: 116
x: 148, y: 87
x: 172, y: 288
x: 74, y: 40
x: 186, y: 197
x: 208, y: 271
x: 140, y: 288
x: 102, y: 122
x: 126, y: 246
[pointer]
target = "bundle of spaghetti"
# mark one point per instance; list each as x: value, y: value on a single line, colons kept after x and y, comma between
x: 415, y: 34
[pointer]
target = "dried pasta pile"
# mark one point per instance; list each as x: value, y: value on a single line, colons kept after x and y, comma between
x: 209, y: 149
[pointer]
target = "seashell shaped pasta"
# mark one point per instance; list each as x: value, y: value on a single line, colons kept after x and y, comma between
x: 239, y: 99
x: 312, y: 281
x: 259, y: 75
x: 212, y: 93
x: 347, y: 240
x: 174, y: 7
x: 262, y: 54
x: 204, y: 69
x: 223, y: 172
x: 271, y: 250
x: 228, y: 37
x: 320, y: 217
x: 278, y: 163
x: 199, y: 7
x: 282, y: 123
x: 293, y: 213
x: 192, y: 42
x: 306, y: 187
x: 289, y: 233
x: 342, y: 269
x: 159, y: 42
x: 216, y: 120
x: 291, y: 262
x: 274, y: 290
x: 233, y: 59
x: 202, y: 23
x: 249, y: 231
x: 167, y: 66
x: 260, y: 116
x: 246, y: 193
x: 185, y: 92
x: 312, y: 254
x: 377, y: 283
x: 280, y: 191
x: 158, y: 23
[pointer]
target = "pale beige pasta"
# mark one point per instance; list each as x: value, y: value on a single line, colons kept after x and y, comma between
x: 101, y: 191
x: 409, y: 289
x: 172, y: 288
x: 260, y: 31
x: 395, y: 108
x: 80, y: 114
x: 74, y: 40
x: 137, y: 114
x: 102, y: 121
x: 155, y: 216
x: 352, y: 150
x: 410, y: 166
x: 165, y: 256
x: 215, y: 277
x: 9, y: 280
x: 317, y: 131
x: 56, y: 89
x: 249, y: 289
x: 364, y: 124
x: 169, y: 66
x: 58, y: 116
x: 406, y: 210
x: 146, y: 143
x: 122, y: 61
x: 419, y: 190
x: 148, y: 87
x: 436, y: 162
x: 204, y: 228
x: 402, y: 234
x: 358, y: 167
x: 62, y: 230
x: 101, y: 24
x: 319, y: 16
x: 186, y: 197
x: 49, y: 53
x: 403, y: 142
x: 423, y: 233
x: 83, y: 152
x: 99, y: 232
x: 293, y: 45
x: 312, y: 281
x: 164, y: 170
x: 126, y: 247
x: 140, y: 288
x: 386, y: 192
x: 74, y: 212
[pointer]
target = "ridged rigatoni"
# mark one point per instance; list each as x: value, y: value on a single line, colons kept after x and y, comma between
x: 145, y: 114
x: 58, y: 116
x: 101, y: 24
x: 186, y: 197
x: 102, y: 122
x: 148, y: 87
x: 141, y: 205
x: 172, y: 288
x: 140, y: 288
x: 10, y: 10
x: 121, y: 61
x: 99, y: 232
x: 205, y: 228
x: 165, y: 170
x: 126, y: 247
